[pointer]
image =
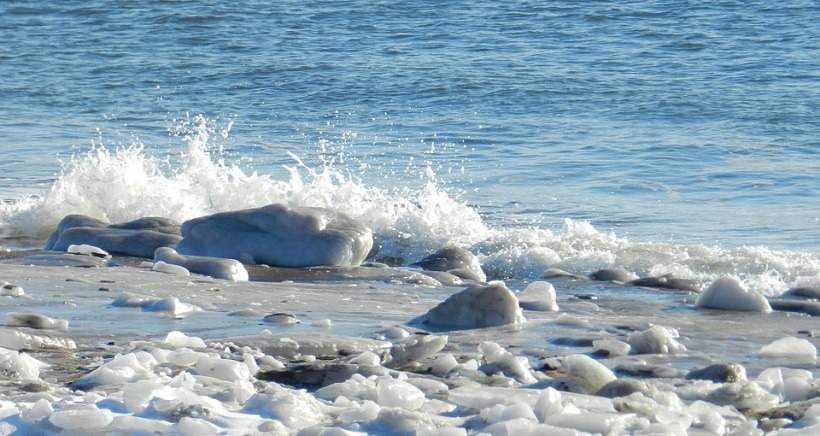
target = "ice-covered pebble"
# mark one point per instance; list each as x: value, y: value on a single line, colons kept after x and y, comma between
x: 87, y: 250
x: 719, y: 373
x: 790, y: 347
x: 476, y: 307
x: 728, y: 293
x: 398, y: 393
x: 366, y: 358
x: 35, y: 321
x: 538, y: 296
x: 17, y: 340
x: 656, y: 339
x: 568, y: 320
x: 170, y: 268
x: 282, y: 319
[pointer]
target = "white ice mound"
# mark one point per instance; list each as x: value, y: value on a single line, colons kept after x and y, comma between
x: 790, y: 347
x: 587, y: 371
x: 228, y: 269
x: 455, y: 260
x: 656, y: 339
x: 279, y: 235
x: 476, y: 307
x: 538, y: 296
x: 135, y: 238
x: 727, y: 293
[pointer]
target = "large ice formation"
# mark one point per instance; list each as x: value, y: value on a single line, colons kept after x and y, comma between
x: 135, y: 238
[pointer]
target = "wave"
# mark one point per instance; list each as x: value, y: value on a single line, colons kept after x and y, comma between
x: 128, y: 182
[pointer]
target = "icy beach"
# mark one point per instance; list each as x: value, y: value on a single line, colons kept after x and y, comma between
x: 96, y: 344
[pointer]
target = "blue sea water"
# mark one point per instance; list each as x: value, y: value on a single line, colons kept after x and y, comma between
x: 656, y: 136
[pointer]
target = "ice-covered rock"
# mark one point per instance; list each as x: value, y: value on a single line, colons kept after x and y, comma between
x: 138, y: 238
x: 586, y: 371
x: 656, y: 339
x: 168, y: 306
x: 719, y: 373
x: 398, y: 393
x: 228, y: 269
x: 538, y: 296
x: 279, y: 235
x: 9, y: 290
x: 611, y: 347
x: 413, y: 348
x: 456, y: 260
x: 19, y: 365
x: 122, y: 368
x: 222, y: 369
x: 476, y: 307
x: 35, y: 321
x: 514, y: 366
x: 727, y: 293
x: 790, y: 347
x: 613, y: 275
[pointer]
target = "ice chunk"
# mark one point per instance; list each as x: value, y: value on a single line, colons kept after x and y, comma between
x: 790, y: 347
x: 138, y: 238
x: 397, y: 393
x: 719, y: 373
x: 538, y: 296
x: 443, y: 364
x: 35, y: 321
x: 178, y: 339
x: 728, y: 293
x: 85, y: 418
x: 170, y: 306
x: 366, y: 358
x: 122, y: 368
x: 548, y: 404
x: 456, y: 260
x: 279, y: 235
x: 196, y: 427
x: 17, y: 340
x: 476, y: 307
x: 228, y: 269
x: 586, y: 371
x: 295, y: 409
x: 22, y: 365
x: 656, y: 339
x: 223, y: 369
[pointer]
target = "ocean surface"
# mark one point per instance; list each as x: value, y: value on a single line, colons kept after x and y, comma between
x: 656, y: 136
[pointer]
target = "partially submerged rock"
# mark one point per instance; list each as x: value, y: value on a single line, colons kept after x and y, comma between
x: 669, y: 282
x: 476, y: 307
x: 719, y: 373
x: 455, y: 260
x: 279, y: 235
x: 613, y: 275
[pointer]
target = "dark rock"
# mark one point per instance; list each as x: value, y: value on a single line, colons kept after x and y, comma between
x: 613, y: 275
x: 624, y: 386
x: 719, y: 373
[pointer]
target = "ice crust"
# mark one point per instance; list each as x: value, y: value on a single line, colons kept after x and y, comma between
x: 279, y: 235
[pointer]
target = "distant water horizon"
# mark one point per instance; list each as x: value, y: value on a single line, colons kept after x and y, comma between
x: 573, y: 134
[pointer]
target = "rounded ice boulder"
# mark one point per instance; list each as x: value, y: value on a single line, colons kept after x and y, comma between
x: 727, y: 293
x: 476, y: 307
x: 279, y: 235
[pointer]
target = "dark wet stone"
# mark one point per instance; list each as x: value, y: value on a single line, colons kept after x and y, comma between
x: 456, y: 260
x: 649, y: 370
x: 613, y: 275
x: 574, y: 342
x: 624, y: 386
x: 808, y: 307
x: 669, y: 282
x: 319, y: 374
x: 810, y: 292
x: 719, y: 373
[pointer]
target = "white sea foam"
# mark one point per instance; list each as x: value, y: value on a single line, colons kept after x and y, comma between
x: 126, y: 183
